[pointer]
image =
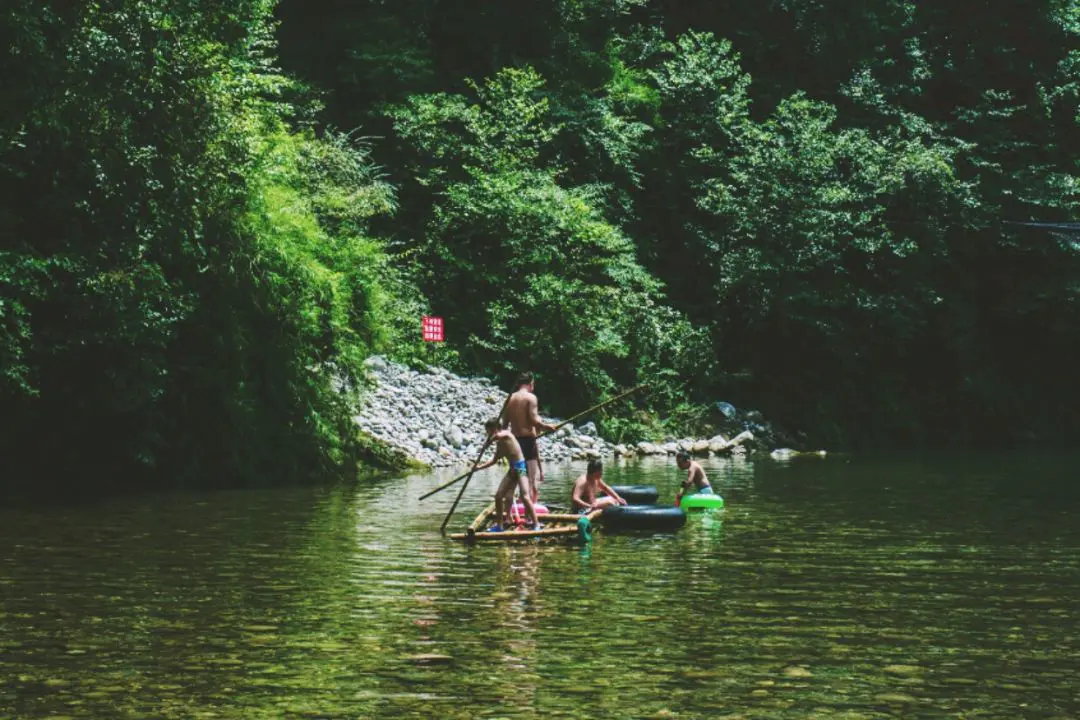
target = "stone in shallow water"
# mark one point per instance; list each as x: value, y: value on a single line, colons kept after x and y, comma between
x: 795, y: 671
x: 904, y: 670
x: 430, y: 659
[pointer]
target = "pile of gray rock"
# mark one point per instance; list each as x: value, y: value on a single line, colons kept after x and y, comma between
x: 438, y: 418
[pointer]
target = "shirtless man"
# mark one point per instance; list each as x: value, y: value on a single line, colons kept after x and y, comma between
x: 523, y: 416
x: 695, y: 476
x: 507, y: 447
x: 589, y: 485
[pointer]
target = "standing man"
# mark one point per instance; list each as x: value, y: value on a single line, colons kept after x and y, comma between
x: 523, y: 416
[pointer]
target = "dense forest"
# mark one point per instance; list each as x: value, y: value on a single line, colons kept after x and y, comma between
x: 213, y: 211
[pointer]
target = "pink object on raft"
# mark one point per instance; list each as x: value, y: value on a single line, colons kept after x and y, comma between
x: 519, y: 509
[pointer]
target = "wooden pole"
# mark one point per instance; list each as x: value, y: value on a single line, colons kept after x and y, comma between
x: 476, y: 462
x: 594, y: 408
x: 442, y: 528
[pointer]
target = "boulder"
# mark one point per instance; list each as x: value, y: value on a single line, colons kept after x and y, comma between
x: 744, y: 437
x: 376, y: 363
x: 588, y: 428
x: 726, y: 409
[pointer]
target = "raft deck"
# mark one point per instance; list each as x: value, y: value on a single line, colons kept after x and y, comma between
x: 556, y: 526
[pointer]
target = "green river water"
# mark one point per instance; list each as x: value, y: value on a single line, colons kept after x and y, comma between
x: 836, y: 588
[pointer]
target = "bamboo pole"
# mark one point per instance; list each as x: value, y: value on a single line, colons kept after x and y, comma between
x: 511, y: 535
x: 558, y: 427
x: 479, y: 521
x: 442, y: 528
x: 476, y: 462
x: 594, y: 408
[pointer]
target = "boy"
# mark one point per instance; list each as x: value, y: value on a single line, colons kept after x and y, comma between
x: 588, y: 485
x: 506, y: 446
x: 522, y: 414
x: 695, y: 476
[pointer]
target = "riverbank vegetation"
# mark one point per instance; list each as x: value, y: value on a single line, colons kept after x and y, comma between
x: 214, y: 211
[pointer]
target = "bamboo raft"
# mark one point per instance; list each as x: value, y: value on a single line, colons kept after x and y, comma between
x: 557, y: 526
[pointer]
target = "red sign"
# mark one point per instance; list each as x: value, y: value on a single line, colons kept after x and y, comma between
x: 432, y: 328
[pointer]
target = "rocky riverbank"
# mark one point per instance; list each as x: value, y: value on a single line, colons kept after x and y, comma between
x: 436, y: 418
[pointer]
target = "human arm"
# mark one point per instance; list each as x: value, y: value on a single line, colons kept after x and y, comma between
x: 494, y: 459
x: 691, y: 473
x: 683, y: 486
x: 534, y: 416
x: 607, y: 488
x: 577, y: 500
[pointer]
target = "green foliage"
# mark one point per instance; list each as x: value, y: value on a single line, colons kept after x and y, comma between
x: 190, y: 262
x: 183, y: 279
x: 528, y: 269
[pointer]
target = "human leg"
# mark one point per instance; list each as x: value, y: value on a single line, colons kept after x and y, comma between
x: 526, y: 496
x: 603, y: 502
x: 534, y: 480
x: 504, y: 497
x: 531, y: 454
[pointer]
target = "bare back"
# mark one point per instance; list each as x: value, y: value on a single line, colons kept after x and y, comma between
x: 522, y: 413
x: 697, y: 476
x: 506, y: 446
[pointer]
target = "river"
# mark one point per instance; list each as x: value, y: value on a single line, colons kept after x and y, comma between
x: 849, y: 588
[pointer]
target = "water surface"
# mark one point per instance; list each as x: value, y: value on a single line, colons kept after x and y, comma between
x: 837, y: 588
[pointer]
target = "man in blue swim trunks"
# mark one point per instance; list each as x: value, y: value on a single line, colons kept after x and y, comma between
x: 695, y: 476
x: 506, y: 446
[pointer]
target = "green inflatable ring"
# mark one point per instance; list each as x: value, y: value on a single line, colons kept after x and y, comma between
x: 692, y: 502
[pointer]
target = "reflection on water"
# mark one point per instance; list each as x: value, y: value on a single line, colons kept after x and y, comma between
x: 831, y: 589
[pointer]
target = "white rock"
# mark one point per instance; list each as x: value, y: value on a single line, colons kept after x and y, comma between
x: 376, y: 363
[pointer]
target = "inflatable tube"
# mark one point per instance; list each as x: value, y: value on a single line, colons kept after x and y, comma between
x: 701, y: 502
x: 519, y: 509
x: 643, y: 517
x: 637, y: 494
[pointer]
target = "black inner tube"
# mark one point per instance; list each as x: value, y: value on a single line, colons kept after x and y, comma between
x: 643, y: 517
x: 637, y: 494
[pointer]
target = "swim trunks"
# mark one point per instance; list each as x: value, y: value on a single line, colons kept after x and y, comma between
x: 707, y: 490
x: 519, y: 466
x: 528, y: 447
